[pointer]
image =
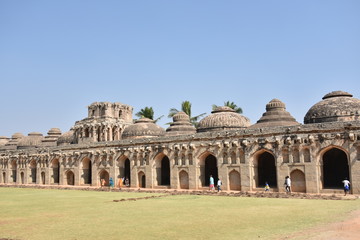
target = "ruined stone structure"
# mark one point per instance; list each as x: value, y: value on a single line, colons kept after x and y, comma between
x: 317, y: 155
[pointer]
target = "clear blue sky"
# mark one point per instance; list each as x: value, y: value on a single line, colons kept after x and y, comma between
x: 57, y: 57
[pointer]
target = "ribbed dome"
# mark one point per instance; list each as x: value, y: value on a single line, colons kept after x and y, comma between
x: 337, y: 106
x: 17, y: 135
x: 275, y: 115
x: 181, y: 125
x: 66, y: 138
x: 54, y: 132
x: 3, y: 140
x: 32, y: 140
x: 223, y: 118
x: 143, y: 128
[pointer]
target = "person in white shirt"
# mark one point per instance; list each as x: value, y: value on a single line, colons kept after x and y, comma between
x: 287, y: 184
x: 346, y: 183
x: 219, y: 183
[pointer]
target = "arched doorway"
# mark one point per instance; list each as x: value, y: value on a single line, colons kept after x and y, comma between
x: 184, y: 179
x: 266, y: 170
x: 33, y: 171
x: 13, y: 171
x: 165, y: 171
x: 4, y: 177
x: 234, y: 179
x: 55, y: 169
x: 86, y: 171
x: 22, y: 176
x: 70, y: 178
x: 210, y: 169
x: 335, y: 168
x: 127, y: 173
x: 104, y: 175
x: 298, y: 183
x: 43, y: 177
x: 142, y: 179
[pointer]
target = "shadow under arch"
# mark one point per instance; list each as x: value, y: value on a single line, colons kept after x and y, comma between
x: 335, y: 167
x: 208, y: 167
x: 264, y: 168
x: 162, y: 169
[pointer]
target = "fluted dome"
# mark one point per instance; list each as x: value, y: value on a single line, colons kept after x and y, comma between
x: 66, y: 138
x: 17, y: 135
x: 143, y: 128
x: 223, y: 118
x: 275, y: 115
x: 337, y: 106
x: 181, y: 125
x: 54, y: 132
x: 32, y: 140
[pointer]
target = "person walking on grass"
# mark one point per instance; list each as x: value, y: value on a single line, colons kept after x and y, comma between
x: 219, y: 183
x: 287, y: 184
x: 346, y: 183
x: 211, y: 183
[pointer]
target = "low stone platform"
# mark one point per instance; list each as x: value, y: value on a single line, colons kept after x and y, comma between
x: 195, y: 192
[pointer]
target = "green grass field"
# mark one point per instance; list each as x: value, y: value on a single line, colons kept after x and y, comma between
x: 70, y: 214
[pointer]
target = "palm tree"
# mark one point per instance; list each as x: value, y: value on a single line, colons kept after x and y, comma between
x: 230, y: 105
x: 186, y: 108
x: 147, y: 112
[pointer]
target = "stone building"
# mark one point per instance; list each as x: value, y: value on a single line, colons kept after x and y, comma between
x: 317, y: 155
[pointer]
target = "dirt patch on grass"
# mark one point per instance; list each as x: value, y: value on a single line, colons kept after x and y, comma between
x: 348, y: 229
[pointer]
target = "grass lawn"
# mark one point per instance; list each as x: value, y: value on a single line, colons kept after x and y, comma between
x: 71, y: 214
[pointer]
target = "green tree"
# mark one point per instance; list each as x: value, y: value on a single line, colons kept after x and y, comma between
x: 147, y: 112
x: 186, y: 108
x: 230, y: 105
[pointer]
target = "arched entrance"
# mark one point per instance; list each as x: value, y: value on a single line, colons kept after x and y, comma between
x: 55, y: 169
x: 70, y: 178
x: 234, y: 180
x: 298, y: 183
x: 86, y: 171
x: 184, y: 179
x: 210, y: 169
x: 13, y: 171
x: 335, y: 168
x: 43, y: 177
x: 127, y: 173
x: 165, y: 171
x: 104, y: 175
x: 266, y: 170
x: 33, y: 171
x: 142, y: 179
x: 22, y: 176
x: 4, y: 177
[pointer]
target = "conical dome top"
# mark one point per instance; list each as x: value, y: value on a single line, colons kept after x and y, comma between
x: 275, y: 115
x: 181, y: 125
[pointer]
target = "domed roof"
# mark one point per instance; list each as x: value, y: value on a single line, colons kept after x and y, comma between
x: 33, y: 139
x: 17, y: 135
x: 54, y: 132
x: 275, y: 115
x: 337, y: 106
x: 3, y: 140
x: 142, y: 128
x: 66, y: 138
x: 181, y: 125
x: 223, y: 118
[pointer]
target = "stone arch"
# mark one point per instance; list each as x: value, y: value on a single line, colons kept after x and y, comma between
x: 32, y: 177
x: 335, y: 167
x: 124, y: 168
x: 265, y: 169
x: 162, y: 169
x: 298, y: 182
x: 234, y: 180
x: 70, y: 177
x: 233, y: 157
x: 184, y: 179
x: 55, y: 171
x: 42, y: 177
x: 86, y: 167
x: 103, y: 174
x: 22, y: 177
x: 13, y: 171
x: 208, y: 166
x: 4, y: 177
x: 142, y: 179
